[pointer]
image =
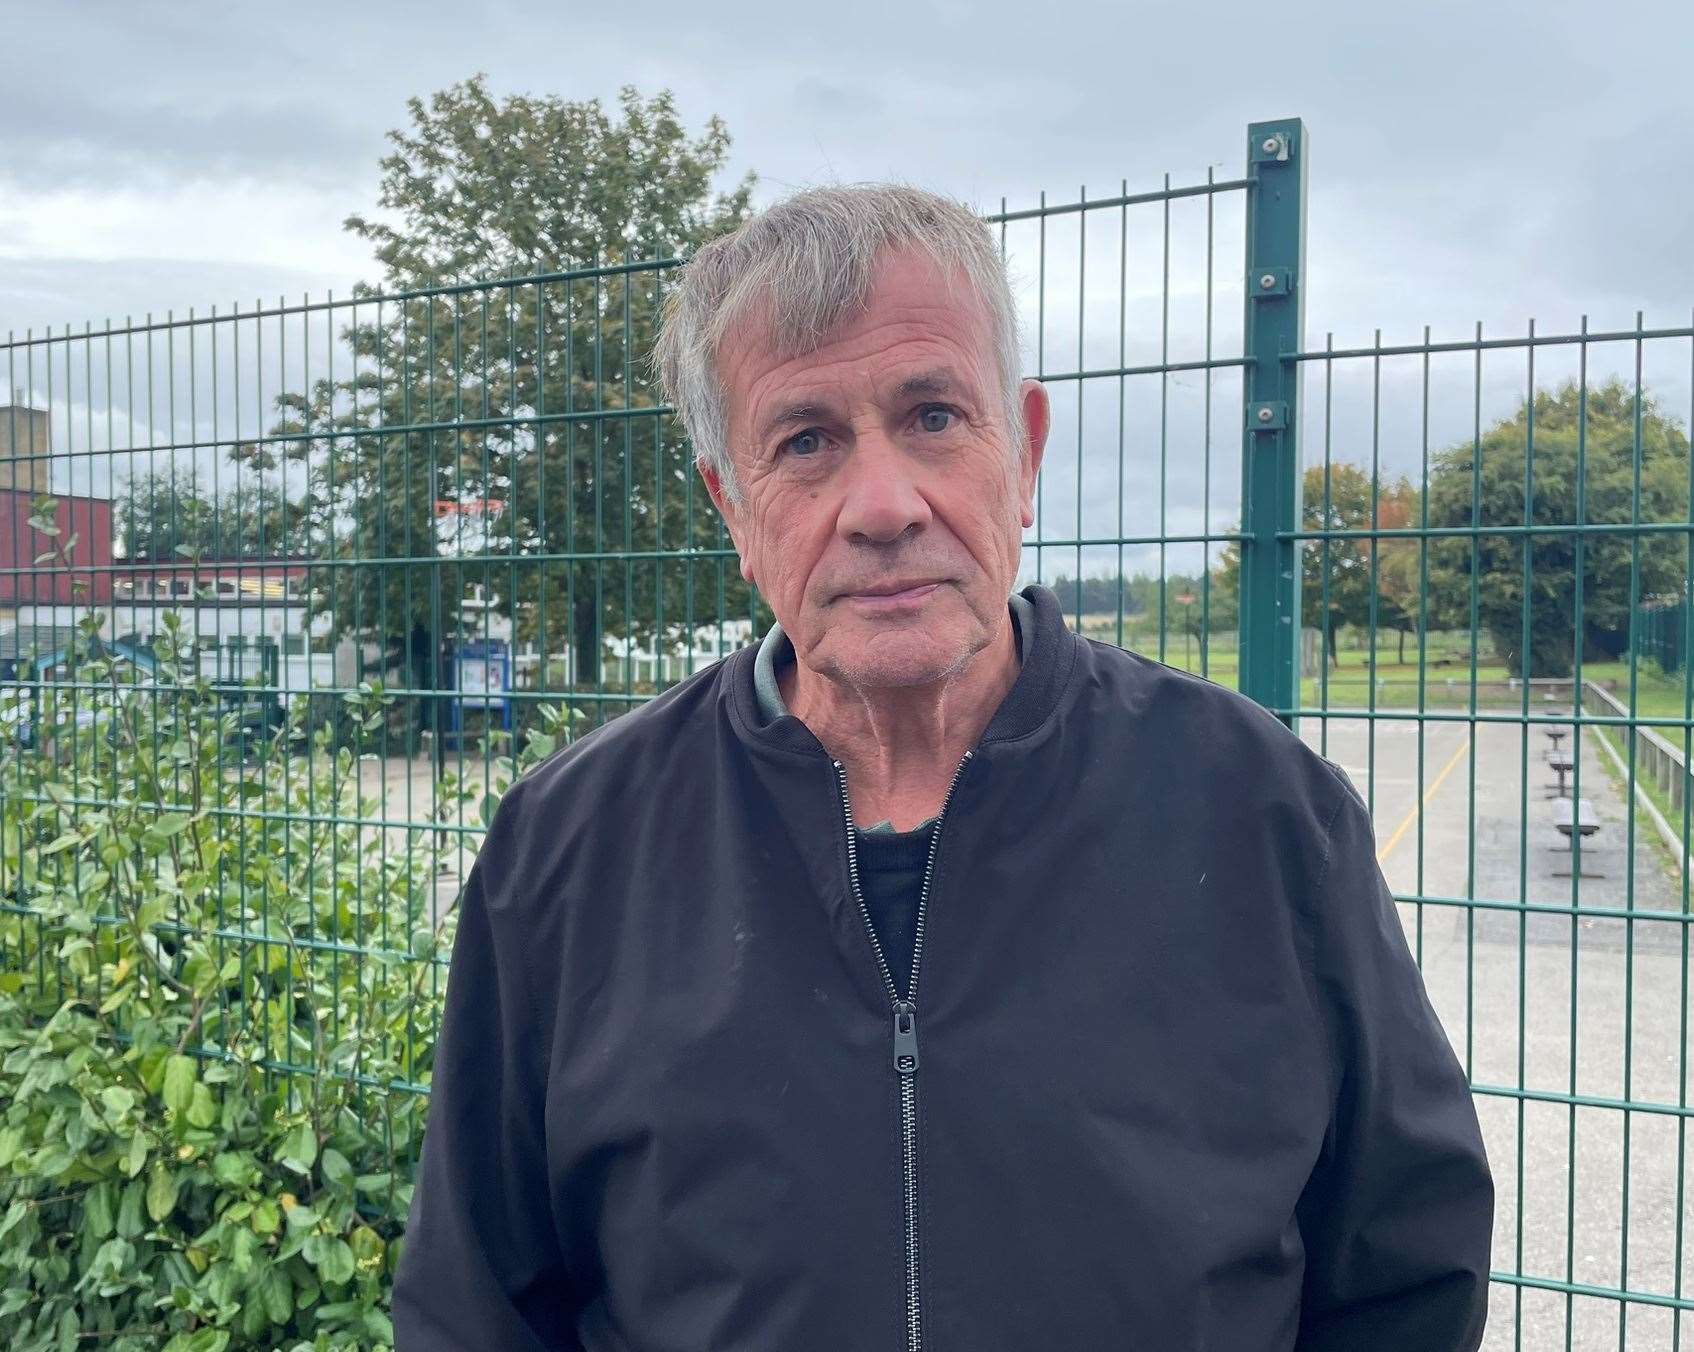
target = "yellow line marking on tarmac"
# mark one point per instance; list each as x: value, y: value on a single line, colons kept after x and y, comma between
x: 1412, y: 816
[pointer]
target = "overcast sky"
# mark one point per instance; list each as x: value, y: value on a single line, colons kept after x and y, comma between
x: 1468, y: 161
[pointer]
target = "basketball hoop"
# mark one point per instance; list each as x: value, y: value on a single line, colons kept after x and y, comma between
x: 472, y: 509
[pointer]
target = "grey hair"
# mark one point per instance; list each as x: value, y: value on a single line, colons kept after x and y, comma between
x: 806, y: 263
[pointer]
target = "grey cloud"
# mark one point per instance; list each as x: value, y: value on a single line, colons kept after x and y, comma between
x: 1468, y: 161
x: 105, y: 145
x: 53, y: 293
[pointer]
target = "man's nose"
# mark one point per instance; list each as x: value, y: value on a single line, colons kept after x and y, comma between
x: 883, y: 500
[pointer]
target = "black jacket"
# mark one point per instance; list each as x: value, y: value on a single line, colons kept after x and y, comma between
x: 1177, y: 1084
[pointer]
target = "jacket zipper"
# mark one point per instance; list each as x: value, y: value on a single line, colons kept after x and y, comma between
x: 905, y: 1033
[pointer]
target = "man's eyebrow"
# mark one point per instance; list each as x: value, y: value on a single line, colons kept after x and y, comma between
x: 792, y: 414
x: 939, y: 381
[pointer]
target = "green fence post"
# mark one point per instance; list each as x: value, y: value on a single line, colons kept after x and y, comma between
x: 1270, y: 453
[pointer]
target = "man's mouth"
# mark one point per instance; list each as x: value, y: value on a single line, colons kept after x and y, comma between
x: 895, y: 594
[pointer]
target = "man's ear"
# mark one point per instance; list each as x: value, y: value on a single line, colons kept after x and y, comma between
x: 729, y: 511
x: 1037, y: 417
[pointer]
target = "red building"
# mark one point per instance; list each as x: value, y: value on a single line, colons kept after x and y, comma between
x: 23, y: 581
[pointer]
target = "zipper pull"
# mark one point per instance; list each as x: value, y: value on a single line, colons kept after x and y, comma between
x: 905, y: 1036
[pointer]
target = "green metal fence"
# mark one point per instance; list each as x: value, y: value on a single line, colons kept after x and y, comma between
x: 1659, y: 634
x: 1431, y: 558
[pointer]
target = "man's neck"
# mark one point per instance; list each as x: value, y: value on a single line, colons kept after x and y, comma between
x: 901, y: 745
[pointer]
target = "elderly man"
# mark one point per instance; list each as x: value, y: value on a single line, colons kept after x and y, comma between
x: 928, y: 978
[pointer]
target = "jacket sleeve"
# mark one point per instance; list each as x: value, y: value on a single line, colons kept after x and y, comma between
x: 480, y: 1264
x: 1397, y: 1217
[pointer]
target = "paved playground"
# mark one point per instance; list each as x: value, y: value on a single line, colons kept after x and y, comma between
x: 1570, y: 1004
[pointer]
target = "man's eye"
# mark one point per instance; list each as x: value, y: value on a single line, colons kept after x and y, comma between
x: 804, y: 443
x: 936, y: 411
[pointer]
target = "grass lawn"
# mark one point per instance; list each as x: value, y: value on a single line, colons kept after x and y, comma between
x: 1446, y: 676
x: 1658, y: 797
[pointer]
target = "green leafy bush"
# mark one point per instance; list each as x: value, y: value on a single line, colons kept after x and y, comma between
x: 219, y: 992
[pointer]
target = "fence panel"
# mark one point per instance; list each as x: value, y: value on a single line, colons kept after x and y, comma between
x: 1524, y: 765
x: 1443, y: 563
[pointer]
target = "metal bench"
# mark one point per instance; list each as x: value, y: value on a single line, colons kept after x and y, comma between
x: 1561, y: 763
x: 1572, y: 820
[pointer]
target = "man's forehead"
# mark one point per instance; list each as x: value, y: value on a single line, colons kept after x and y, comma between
x: 913, y: 337
x: 918, y: 374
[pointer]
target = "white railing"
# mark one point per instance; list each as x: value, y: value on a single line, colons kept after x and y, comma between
x: 1655, y: 758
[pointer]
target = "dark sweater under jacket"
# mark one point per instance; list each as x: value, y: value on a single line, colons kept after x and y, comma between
x: 1169, y: 1080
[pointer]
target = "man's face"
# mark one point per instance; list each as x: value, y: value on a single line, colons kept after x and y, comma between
x: 882, y: 506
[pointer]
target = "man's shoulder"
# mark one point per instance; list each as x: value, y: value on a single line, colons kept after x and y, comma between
x: 640, y: 742
x: 1155, y: 687
x: 1212, y: 725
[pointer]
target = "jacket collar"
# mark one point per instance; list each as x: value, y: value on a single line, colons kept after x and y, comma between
x: 776, y: 651
x: 1028, y: 704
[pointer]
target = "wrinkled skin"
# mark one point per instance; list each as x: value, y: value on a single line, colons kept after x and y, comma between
x: 867, y: 487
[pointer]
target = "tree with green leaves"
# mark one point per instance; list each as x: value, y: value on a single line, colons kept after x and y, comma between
x: 1399, y: 580
x: 1634, y: 468
x: 529, y: 393
x: 165, y: 514
x: 1339, y: 577
x: 1096, y: 593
